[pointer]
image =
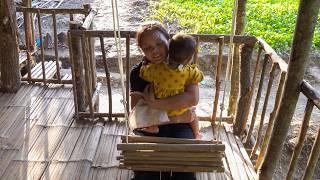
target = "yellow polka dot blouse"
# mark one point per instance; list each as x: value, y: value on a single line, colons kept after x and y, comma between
x: 169, y: 82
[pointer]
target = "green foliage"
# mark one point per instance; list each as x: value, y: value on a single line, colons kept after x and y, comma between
x: 273, y: 20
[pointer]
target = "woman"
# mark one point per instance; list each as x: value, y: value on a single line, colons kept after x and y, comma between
x: 153, y: 40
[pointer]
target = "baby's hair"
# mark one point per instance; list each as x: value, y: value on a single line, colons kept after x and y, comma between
x: 149, y: 27
x: 182, y: 47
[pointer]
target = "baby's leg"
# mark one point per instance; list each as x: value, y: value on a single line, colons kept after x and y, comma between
x: 195, y: 128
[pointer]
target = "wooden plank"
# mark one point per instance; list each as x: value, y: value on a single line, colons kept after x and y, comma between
x: 150, y: 139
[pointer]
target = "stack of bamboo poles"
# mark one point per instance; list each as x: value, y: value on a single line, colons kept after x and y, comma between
x: 170, y: 154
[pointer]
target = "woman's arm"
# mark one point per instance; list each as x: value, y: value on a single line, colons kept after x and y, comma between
x: 183, y: 100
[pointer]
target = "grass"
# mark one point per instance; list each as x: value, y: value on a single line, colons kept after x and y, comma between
x: 273, y: 20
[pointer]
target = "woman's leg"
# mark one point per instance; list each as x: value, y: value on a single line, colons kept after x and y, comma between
x: 178, y: 131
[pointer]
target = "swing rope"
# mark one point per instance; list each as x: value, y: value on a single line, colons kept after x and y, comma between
x: 116, y: 31
x: 227, y: 77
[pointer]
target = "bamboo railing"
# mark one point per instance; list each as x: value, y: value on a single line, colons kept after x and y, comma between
x: 49, y: 72
x: 84, y: 94
x: 276, y: 65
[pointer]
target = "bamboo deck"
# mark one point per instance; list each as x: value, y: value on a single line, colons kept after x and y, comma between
x: 39, y: 139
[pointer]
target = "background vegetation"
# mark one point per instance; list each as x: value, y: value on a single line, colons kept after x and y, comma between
x: 273, y: 20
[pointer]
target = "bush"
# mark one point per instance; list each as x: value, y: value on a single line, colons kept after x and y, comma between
x: 273, y: 20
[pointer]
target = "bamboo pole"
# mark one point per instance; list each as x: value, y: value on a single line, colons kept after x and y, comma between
x: 313, y: 159
x: 171, y: 147
x: 244, y: 101
x: 50, y: 10
x: 74, y: 85
x: 87, y: 74
x: 235, y: 78
x: 311, y: 93
x: 257, y: 102
x: 55, y: 36
x: 98, y: 115
x: 42, y: 49
x: 127, y: 72
x: 71, y: 17
x: 77, y: 60
x: 107, y: 76
x: 218, y: 83
x: 27, y: 17
x: 267, y: 135
x: 302, y: 41
x: 150, y: 139
x: 173, y: 154
x: 90, y: 14
x: 9, y: 58
x: 302, y: 135
x: 202, y: 37
x: 264, y: 109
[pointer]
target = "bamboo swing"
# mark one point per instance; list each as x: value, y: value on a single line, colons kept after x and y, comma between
x: 145, y: 153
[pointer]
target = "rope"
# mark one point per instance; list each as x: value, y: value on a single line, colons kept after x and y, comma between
x: 116, y: 29
x: 230, y: 62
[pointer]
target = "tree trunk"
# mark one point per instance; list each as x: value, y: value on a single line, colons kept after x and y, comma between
x: 302, y: 41
x: 240, y: 25
x: 243, y: 105
x: 9, y: 58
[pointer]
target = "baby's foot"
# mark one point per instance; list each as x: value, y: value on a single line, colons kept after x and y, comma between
x: 198, y: 136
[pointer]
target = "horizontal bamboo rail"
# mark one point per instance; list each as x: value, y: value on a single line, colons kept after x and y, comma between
x: 311, y: 93
x: 51, y: 10
x: 150, y: 139
x: 202, y: 37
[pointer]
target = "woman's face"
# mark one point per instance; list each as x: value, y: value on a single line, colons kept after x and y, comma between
x: 154, y: 46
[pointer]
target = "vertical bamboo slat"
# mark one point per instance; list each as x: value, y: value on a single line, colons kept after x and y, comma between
x: 302, y: 135
x: 42, y: 49
x: 107, y: 76
x: 235, y: 76
x: 257, y: 102
x: 267, y: 136
x: 313, y: 158
x: 218, y: 81
x: 264, y: 109
x: 127, y: 71
x: 29, y: 60
x: 88, y: 91
x: 55, y: 36
x: 71, y: 17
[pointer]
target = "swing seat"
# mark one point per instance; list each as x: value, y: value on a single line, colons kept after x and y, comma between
x: 145, y: 153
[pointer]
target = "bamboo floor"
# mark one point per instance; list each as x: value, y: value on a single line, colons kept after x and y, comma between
x: 40, y: 139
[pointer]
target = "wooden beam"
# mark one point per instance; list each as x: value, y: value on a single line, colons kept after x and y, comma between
x: 311, y: 93
x: 302, y: 41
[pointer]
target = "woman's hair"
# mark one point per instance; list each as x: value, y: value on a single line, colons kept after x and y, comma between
x: 149, y: 27
x: 182, y: 47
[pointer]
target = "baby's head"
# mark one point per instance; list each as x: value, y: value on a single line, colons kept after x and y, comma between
x: 181, y: 48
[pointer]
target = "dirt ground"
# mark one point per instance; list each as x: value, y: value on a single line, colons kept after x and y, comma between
x: 133, y: 12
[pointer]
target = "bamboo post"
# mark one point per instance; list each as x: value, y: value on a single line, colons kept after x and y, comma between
x: 235, y: 75
x: 218, y: 82
x: 302, y: 135
x: 267, y: 136
x: 86, y: 65
x: 127, y: 71
x: 42, y: 49
x: 313, y: 159
x: 87, y: 9
x: 107, y: 76
x: 243, y: 105
x: 302, y: 41
x: 264, y: 109
x: 74, y: 85
x: 257, y: 102
x: 235, y: 78
x: 28, y: 24
x: 71, y: 17
x: 77, y: 60
x: 9, y: 58
x: 56, y: 53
